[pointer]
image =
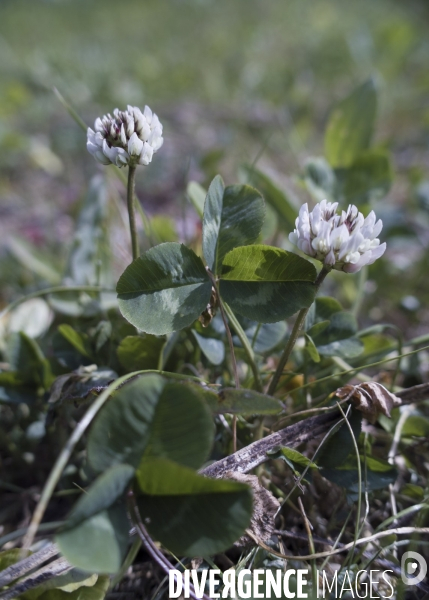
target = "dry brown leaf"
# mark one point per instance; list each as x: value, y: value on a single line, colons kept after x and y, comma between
x: 371, y: 398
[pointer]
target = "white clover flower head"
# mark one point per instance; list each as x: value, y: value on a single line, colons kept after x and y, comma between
x: 345, y: 241
x: 129, y: 137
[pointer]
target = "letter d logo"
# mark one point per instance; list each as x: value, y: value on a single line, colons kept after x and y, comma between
x: 413, y: 568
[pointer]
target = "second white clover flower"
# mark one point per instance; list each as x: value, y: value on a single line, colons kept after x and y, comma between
x: 345, y: 241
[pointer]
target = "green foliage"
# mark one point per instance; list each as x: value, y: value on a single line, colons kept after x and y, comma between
x: 243, y: 402
x: 86, y: 588
x: 378, y: 474
x: 273, y: 195
x: 265, y: 337
x: 361, y: 174
x: 89, y: 249
x: 30, y: 372
x: 213, y: 349
x: 338, y: 338
x: 99, y: 543
x: 14, y: 390
x: 266, y: 284
x: 95, y: 536
x: 39, y: 263
x: 266, y: 264
x: 351, y: 126
x: 346, y: 348
x: 79, y: 341
x: 165, y: 289
x: 233, y: 216
x: 416, y: 425
x: 197, y: 195
x: 294, y: 458
x: 311, y: 349
x: 137, y: 353
x: 320, y: 179
x: 80, y: 385
x: 102, y: 336
x: 368, y: 178
x: 156, y: 418
x: 326, y: 306
x: 163, y: 229
x: 376, y: 344
x: 318, y: 328
x: 9, y: 557
x: 102, y: 494
x: 27, y: 359
x: 329, y: 457
x: 188, y: 513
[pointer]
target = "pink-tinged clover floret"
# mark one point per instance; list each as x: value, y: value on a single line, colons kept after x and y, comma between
x: 129, y: 137
x: 345, y: 241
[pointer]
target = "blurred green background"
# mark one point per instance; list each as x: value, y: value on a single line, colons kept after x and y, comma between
x: 233, y: 82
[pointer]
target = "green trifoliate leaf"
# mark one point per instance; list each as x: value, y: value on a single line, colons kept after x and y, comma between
x: 95, y: 535
x: 233, y: 216
x: 98, y: 544
x: 104, y: 492
x: 164, y: 290
x: 266, y: 284
x: 190, y: 514
x: 150, y: 416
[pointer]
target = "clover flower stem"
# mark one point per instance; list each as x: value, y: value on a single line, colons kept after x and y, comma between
x: 246, y: 346
x: 294, y: 336
x: 146, y: 223
x: 231, y: 348
x: 360, y: 291
x: 234, y: 368
x: 132, y: 212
